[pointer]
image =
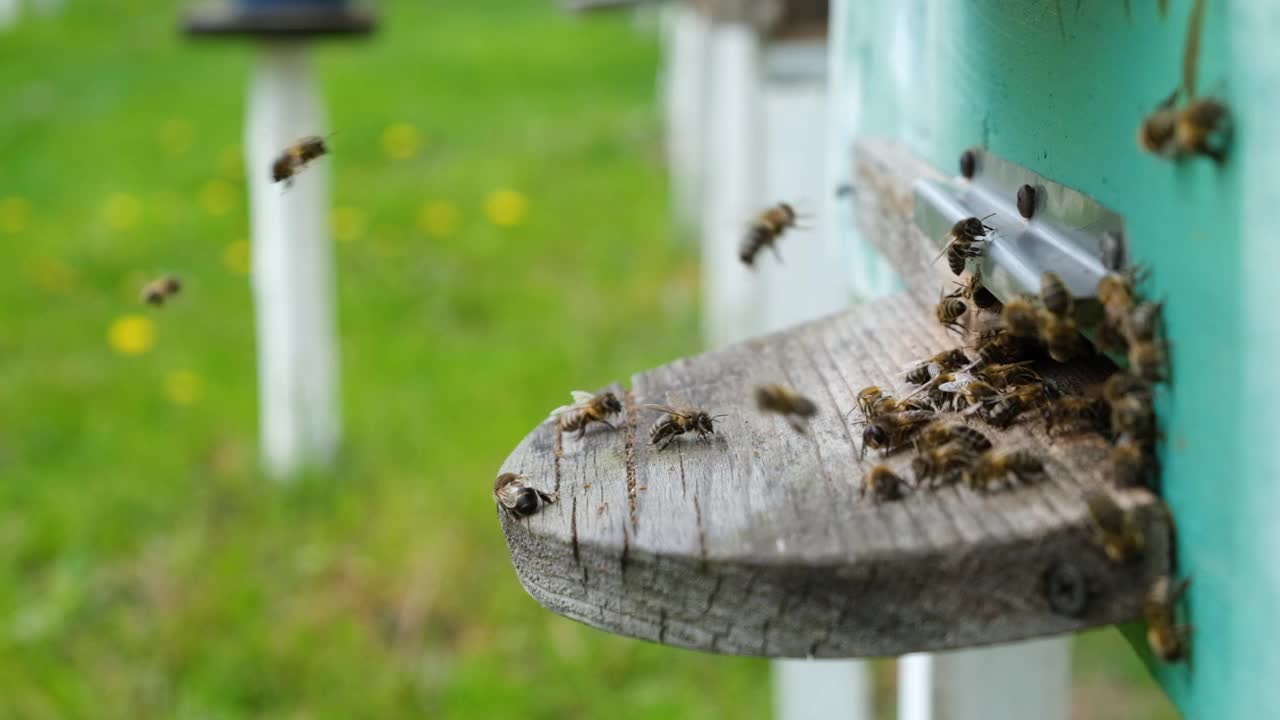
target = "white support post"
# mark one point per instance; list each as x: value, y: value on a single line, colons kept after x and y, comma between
x: 1007, y: 682
x: 685, y: 73
x: 300, y: 421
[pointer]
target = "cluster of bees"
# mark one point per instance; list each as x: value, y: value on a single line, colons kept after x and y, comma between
x: 991, y: 379
x: 284, y: 168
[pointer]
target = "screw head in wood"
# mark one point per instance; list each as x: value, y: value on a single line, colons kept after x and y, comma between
x: 968, y: 164
x: 1026, y: 201
x: 1067, y: 589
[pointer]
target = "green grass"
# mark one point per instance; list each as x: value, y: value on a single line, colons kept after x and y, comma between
x: 146, y: 568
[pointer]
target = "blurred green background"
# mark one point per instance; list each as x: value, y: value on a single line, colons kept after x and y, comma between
x: 502, y: 237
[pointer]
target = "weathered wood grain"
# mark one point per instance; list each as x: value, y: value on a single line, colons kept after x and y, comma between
x: 756, y: 541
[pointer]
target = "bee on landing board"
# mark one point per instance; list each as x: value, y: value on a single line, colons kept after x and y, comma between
x: 1020, y: 317
x: 786, y: 402
x: 678, y: 421
x: 946, y: 361
x: 1054, y: 295
x: 889, y: 431
x: 883, y: 484
x: 941, y: 466
x: 949, y: 311
x: 159, y: 290
x: 586, y: 409
x: 296, y: 157
x: 1114, y: 529
x: 940, y: 433
x: 1168, y: 639
x: 765, y: 232
x: 1061, y: 336
x: 995, y: 466
x: 517, y: 498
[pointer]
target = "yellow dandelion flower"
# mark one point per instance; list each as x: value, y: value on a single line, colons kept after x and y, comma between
x: 348, y: 223
x: 238, y: 257
x: 132, y: 334
x: 439, y: 218
x: 49, y: 273
x: 401, y: 141
x: 217, y: 197
x: 122, y: 211
x: 176, y: 136
x: 231, y: 161
x: 184, y: 387
x: 15, y: 213
x: 506, y: 208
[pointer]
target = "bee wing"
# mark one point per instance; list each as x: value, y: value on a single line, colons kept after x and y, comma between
x: 505, y: 497
x: 665, y: 409
x: 581, y: 397
x: 945, y: 248
x: 562, y: 410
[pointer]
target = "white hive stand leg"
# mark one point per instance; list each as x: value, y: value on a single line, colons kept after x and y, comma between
x: 1007, y: 682
x: 292, y: 268
x: 686, y: 34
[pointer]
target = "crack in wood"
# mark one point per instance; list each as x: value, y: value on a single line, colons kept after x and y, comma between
x: 573, y: 530
x: 559, y: 453
x: 662, y: 626
x: 702, y: 533
x: 629, y: 443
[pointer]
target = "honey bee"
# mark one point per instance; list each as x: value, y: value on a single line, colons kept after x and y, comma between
x: 1149, y: 361
x: 1115, y: 292
x: 994, y: 466
x: 765, y: 231
x: 938, y: 434
x: 1145, y: 322
x: 949, y: 311
x: 676, y: 422
x: 159, y: 290
x: 1061, y: 336
x: 999, y: 347
x: 296, y: 157
x: 587, y: 408
x: 1054, y: 295
x: 786, y: 402
x: 1134, y: 416
x: 1007, y: 408
x: 966, y: 240
x: 1121, y: 385
x: 973, y: 289
x: 1114, y: 529
x: 968, y: 391
x: 1129, y: 464
x: 925, y: 370
x: 888, y: 432
x: 871, y: 399
x: 1167, y: 638
x: 1155, y: 135
x: 1075, y: 412
x: 941, y: 466
x: 884, y: 485
x: 517, y: 498
x: 1203, y: 127
x: 1002, y: 375
x: 1020, y: 317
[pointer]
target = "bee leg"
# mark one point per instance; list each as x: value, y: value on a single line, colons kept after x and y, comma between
x: 549, y: 498
x: 582, y: 431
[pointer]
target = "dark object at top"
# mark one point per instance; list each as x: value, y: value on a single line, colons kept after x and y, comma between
x: 968, y: 164
x: 1026, y: 201
x: 280, y: 18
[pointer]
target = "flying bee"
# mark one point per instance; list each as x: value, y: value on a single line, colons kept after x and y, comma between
x: 765, y: 232
x: 161, y: 289
x: 1020, y: 317
x: 888, y: 432
x: 1155, y: 135
x: 517, y: 498
x: 1061, y: 336
x: 966, y: 240
x: 1077, y: 413
x: 994, y: 466
x: 884, y: 484
x: 786, y: 402
x: 1114, y: 529
x: 1054, y: 295
x: 587, y: 408
x: 296, y: 157
x: 968, y: 391
x: 1203, y: 127
x: 1149, y: 361
x: 1003, y: 375
x: 1129, y: 464
x: 675, y: 422
x: 949, y: 311
x: 941, y: 466
x: 1167, y: 638
x: 945, y: 361
x: 938, y: 434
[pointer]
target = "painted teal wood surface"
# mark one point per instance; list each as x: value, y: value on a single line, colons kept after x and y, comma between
x: 1063, y: 91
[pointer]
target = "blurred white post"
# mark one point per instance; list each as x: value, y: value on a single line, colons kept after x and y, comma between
x: 686, y: 35
x: 1006, y: 682
x: 300, y: 421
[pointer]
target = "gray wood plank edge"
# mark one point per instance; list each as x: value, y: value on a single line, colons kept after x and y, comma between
x: 755, y: 542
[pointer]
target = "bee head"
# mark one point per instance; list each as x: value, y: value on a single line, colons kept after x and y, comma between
x: 875, y: 436
x: 281, y: 169
x: 611, y: 403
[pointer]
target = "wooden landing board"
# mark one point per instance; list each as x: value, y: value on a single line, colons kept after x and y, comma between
x: 756, y: 542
